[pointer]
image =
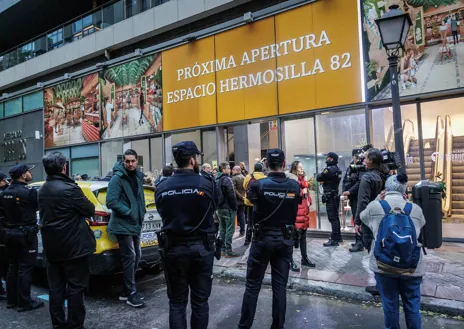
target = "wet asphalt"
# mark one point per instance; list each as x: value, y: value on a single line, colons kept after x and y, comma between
x: 105, y: 311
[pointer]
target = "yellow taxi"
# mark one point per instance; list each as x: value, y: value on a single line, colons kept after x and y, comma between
x: 106, y: 259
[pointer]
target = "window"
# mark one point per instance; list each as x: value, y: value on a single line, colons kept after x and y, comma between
x: 443, y: 143
x: 55, y: 39
x: 156, y: 151
x: 338, y: 132
x: 111, y: 152
x: 84, y: 166
x: 26, y: 52
x: 1, y: 110
x: 209, y: 146
x: 299, y: 145
x: 33, y: 101
x: 173, y: 139
x: 113, y: 14
x: 13, y: 107
x: 143, y: 153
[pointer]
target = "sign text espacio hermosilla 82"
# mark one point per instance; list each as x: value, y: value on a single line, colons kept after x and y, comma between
x: 303, y: 59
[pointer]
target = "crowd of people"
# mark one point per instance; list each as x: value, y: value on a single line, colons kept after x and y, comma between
x: 271, y: 205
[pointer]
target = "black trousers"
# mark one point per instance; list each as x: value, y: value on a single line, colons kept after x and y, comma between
x: 3, y: 260
x: 68, y: 280
x: 367, y: 237
x: 277, y: 251
x: 188, y: 267
x: 455, y: 36
x: 333, y: 205
x: 249, y: 222
x: 22, y: 253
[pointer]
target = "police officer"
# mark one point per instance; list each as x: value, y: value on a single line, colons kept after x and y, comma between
x: 330, y: 178
x: 18, y: 203
x: 186, y: 202
x: 275, y: 199
x: 351, y: 185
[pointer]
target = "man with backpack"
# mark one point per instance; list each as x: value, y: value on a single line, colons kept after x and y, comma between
x: 396, y: 256
x: 249, y: 179
x: 227, y: 209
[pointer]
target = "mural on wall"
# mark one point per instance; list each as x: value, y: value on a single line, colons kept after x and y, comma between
x: 432, y: 60
x: 72, y: 112
x: 132, y: 98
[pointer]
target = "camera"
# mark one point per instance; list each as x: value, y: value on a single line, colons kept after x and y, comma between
x: 391, y: 159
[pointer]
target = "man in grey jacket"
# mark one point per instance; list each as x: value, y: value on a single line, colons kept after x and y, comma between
x: 392, y: 286
x: 227, y: 209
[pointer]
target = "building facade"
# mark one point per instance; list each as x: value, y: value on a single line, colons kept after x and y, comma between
x: 307, y: 76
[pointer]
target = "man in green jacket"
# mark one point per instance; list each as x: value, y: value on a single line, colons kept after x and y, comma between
x: 126, y: 199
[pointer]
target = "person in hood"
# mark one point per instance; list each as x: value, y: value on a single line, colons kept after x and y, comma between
x: 126, y: 199
x: 3, y: 258
x: 302, y: 217
x: 67, y: 240
x: 330, y: 179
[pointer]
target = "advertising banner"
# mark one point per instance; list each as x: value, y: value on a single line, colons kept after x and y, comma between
x: 132, y: 98
x: 432, y: 60
x: 72, y: 112
x: 303, y: 59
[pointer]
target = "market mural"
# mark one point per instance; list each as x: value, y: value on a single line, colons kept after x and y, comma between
x: 131, y: 97
x: 72, y: 112
x: 433, y: 59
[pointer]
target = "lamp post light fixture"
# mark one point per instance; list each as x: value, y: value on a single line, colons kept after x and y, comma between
x: 394, y: 28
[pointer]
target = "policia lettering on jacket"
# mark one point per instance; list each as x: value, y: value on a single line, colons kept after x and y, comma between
x: 186, y: 202
x: 275, y: 199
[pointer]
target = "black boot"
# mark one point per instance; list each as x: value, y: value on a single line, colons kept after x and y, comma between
x: 331, y: 243
x: 357, y: 248
x: 294, y: 267
x: 373, y: 290
x: 304, y: 250
x: 306, y: 262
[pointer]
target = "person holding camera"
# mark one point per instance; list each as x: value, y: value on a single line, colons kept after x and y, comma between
x: 186, y: 202
x: 372, y: 183
x: 18, y: 207
x: 330, y: 179
x: 275, y: 199
x: 351, y: 183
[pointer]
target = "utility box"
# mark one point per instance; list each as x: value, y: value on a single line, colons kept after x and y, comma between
x: 428, y: 195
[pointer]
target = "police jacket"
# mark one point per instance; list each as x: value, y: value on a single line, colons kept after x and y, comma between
x: 63, y: 209
x: 352, y: 180
x: 226, y: 192
x: 372, y: 183
x: 276, y: 199
x: 18, y: 205
x: 186, y: 202
x: 330, y: 177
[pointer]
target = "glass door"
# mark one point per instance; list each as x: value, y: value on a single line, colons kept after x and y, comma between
x: 299, y: 144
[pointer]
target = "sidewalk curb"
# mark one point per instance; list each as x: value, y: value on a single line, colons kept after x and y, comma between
x: 431, y: 304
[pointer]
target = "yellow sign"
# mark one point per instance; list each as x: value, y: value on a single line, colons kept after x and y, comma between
x: 303, y: 59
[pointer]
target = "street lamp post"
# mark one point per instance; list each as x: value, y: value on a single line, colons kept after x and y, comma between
x: 394, y: 27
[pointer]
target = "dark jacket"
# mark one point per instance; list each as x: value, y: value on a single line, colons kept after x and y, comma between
x: 240, y: 192
x: 226, y: 192
x: 18, y: 205
x: 372, y: 183
x: 352, y: 179
x: 186, y: 203
x: 330, y: 177
x: 63, y: 209
x: 128, y: 210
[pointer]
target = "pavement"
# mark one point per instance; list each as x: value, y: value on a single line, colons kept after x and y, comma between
x: 343, y: 274
x: 304, y: 310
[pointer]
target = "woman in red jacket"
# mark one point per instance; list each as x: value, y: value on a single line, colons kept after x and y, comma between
x: 302, y: 217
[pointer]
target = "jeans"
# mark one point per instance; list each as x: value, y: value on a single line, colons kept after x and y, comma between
x: 278, y: 252
x: 333, y: 204
x: 130, y: 250
x: 189, y: 266
x: 68, y: 280
x: 21, y: 253
x: 241, y: 218
x: 226, y: 227
x: 390, y: 289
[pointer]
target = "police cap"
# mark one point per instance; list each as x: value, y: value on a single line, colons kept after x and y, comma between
x: 275, y: 155
x: 184, y: 149
x: 332, y: 155
x: 20, y: 169
x: 2, y: 176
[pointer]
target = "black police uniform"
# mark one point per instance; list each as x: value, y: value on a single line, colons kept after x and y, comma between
x: 19, y: 206
x: 186, y: 202
x: 351, y: 183
x: 330, y: 178
x: 275, y: 199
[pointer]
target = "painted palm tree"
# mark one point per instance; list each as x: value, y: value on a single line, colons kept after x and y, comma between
x: 431, y: 3
x: 128, y: 73
x: 68, y: 90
